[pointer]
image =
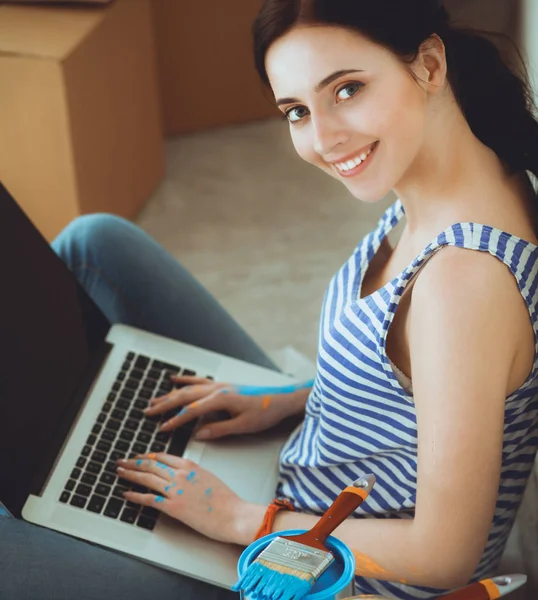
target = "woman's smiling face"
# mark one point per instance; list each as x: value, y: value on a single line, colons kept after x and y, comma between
x: 355, y: 111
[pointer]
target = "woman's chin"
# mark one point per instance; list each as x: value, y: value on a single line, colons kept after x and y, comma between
x: 369, y: 196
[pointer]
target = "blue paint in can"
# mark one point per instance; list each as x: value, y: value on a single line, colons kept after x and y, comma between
x: 336, y: 582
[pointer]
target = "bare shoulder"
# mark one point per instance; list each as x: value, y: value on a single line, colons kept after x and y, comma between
x: 470, y: 295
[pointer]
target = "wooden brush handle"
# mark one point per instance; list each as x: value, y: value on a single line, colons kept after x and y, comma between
x: 348, y: 500
x: 475, y: 591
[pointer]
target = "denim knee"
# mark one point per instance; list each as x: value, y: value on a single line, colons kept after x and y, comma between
x: 90, y: 234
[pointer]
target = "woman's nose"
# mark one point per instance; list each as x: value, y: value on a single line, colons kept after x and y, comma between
x: 328, y: 135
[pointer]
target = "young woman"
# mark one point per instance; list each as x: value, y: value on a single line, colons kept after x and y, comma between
x: 427, y: 366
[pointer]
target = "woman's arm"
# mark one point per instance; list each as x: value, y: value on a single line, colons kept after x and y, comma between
x: 469, y: 333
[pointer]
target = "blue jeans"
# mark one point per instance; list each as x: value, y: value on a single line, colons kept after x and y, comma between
x: 134, y: 281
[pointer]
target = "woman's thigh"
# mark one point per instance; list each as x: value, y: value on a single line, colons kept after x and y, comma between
x: 39, y: 563
x: 135, y: 281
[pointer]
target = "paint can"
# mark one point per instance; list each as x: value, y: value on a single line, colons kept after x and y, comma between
x: 336, y: 583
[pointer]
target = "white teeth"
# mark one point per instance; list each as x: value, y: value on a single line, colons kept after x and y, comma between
x: 351, y: 164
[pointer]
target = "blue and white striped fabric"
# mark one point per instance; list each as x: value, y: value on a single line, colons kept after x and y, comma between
x: 360, y: 419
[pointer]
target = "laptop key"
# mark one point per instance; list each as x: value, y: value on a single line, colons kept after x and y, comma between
x: 96, y: 504
x: 126, y: 365
x: 139, y: 448
x: 83, y: 490
x: 75, y: 473
x: 130, y: 355
x: 65, y: 497
x: 123, y: 404
x: 148, y: 426
x: 136, y: 374
x: 111, y: 467
x: 127, y: 394
x: 111, y: 397
x: 118, y: 414
x: 142, y: 362
x: 70, y: 485
x: 91, y: 440
x: 106, y: 407
x: 81, y: 462
x: 104, y: 446
x: 118, y: 491
x: 127, y: 435
x: 145, y: 394
x: 149, y: 384
x: 121, y: 376
x: 78, y: 501
x: 132, y: 384
x: 144, y: 437
x: 102, y: 489
x: 121, y: 446
x: 146, y: 523
x: 162, y: 436
x: 101, y: 418
x: 113, y: 508
x: 131, y: 424
x: 136, y: 414
x: 86, y: 451
x: 116, y: 386
x: 99, y: 457
x: 129, y: 515
x: 148, y: 511
x: 189, y: 372
x: 108, y: 435
x: 157, y: 447
x: 116, y: 455
x: 107, y: 478
x: 96, y: 428
x: 88, y: 478
x: 94, y: 468
x: 114, y: 425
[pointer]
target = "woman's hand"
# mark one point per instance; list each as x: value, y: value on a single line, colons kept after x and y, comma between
x: 185, y: 491
x: 248, y: 414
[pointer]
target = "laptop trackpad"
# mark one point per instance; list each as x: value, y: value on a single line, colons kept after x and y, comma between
x: 247, y: 464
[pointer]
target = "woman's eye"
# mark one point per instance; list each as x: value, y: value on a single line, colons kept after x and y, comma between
x: 349, y: 90
x: 296, y: 114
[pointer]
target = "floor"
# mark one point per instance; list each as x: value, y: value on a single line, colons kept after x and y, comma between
x: 260, y: 228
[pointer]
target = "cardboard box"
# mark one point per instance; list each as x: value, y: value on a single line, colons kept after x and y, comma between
x: 206, y: 67
x: 80, y: 120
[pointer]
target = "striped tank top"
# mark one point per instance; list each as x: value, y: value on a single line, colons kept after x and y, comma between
x: 360, y: 417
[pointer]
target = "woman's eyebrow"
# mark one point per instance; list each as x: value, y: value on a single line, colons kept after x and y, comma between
x: 322, y: 84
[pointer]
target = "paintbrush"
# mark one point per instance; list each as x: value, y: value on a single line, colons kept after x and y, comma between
x: 289, y: 567
x: 488, y: 589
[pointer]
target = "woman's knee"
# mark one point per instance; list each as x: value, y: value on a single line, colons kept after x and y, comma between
x: 89, y: 235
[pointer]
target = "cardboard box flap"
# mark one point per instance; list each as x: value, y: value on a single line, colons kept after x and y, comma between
x: 45, y: 31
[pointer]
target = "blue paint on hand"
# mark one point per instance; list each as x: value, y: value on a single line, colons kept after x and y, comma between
x: 159, y: 499
x: 191, y: 475
x: 138, y: 462
x: 179, y: 492
x: 167, y: 488
x: 182, y: 411
x: 210, y: 509
x: 208, y: 492
x: 256, y: 390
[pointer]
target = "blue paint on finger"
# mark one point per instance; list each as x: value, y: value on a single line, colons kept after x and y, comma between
x: 191, y: 475
x: 138, y: 462
x: 208, y: 492
x: 182, y: 411
x: 159, y: 499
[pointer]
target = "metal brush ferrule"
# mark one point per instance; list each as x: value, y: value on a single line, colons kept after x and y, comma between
x: 297, y: 556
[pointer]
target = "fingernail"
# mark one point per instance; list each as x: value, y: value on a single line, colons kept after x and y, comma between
x: 203, y: 434
x: 120, y: 469
x: 121, y: 461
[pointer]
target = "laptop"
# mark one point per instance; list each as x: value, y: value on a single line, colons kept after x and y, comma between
x: 72, y: 391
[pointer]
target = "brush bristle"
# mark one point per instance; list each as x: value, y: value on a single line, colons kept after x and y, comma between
x: 267, y: 582
x: 285, y: 570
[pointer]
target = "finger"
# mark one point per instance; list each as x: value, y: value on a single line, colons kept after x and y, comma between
x: 178, y: 398
x: 218, y: 429
x: 148, y: 465
x: 214, y: 402
x: 159, y: 502
x: 190, y: 379
x: 149, y: 480
x: 163, y: 460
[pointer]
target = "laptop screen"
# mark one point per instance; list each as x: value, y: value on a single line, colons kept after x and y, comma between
x: 50, y: 331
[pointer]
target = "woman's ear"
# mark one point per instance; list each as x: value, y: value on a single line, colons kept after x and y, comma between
x: 431, y: 65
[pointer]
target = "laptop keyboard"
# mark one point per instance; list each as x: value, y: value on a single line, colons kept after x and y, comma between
x: 123, y: 431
